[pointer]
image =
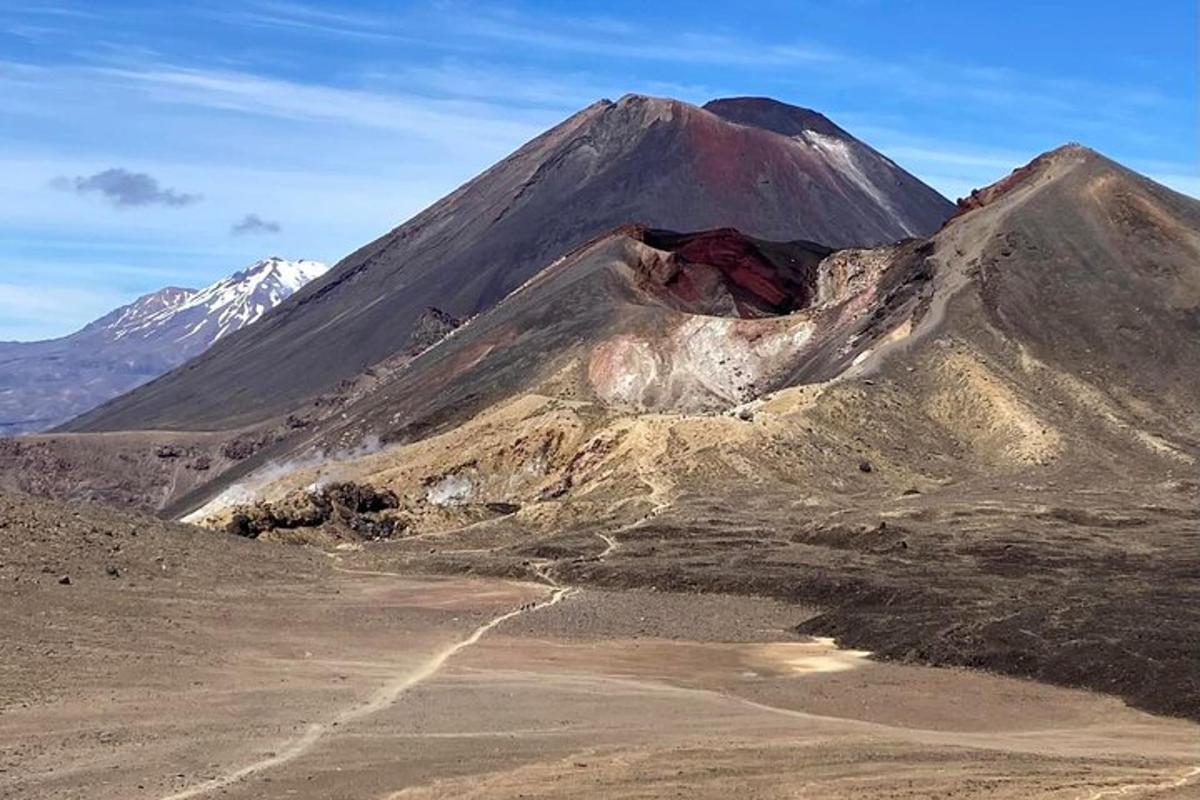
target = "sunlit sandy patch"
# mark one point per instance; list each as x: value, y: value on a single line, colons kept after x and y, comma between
x: 817, y: 656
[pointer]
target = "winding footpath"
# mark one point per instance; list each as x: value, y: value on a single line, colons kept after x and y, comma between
x: 542, y: 569
x: 1136, y: 789
x: 383, y: 698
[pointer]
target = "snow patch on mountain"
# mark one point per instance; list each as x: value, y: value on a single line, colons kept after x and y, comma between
x: 215, y: 311
x: 847, y: 159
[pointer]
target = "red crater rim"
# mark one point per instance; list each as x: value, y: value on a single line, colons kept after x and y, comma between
x: 727, y: 272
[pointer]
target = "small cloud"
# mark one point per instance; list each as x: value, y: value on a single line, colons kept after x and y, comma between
x: 124, y: 188
x: 252, y: 224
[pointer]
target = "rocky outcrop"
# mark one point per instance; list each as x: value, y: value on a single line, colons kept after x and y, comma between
x: 348, y: 510
x: 430, y: 328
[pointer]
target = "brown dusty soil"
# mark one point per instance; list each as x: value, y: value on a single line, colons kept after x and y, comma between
x: 1070, y: 586
x: 215, y: 667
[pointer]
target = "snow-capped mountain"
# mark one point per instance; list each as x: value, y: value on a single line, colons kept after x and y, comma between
x: 195, y: 319
x: 46, y: 383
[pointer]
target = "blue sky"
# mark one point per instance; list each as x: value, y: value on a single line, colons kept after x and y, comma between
x: 147, y: 144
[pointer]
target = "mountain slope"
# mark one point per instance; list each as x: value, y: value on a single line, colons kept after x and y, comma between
x: 662, y: 163
x: 45, y: 383
x: 977, y: 449
x: 857, y: 169
x: 643, y: 320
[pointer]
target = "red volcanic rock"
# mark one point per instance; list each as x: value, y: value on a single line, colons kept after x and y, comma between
x: 731, y: 274
x: 1021, y: 175
x: 982, y: 197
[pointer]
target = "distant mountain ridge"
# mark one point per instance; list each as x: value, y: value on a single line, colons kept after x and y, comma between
x: 203, y: 317
x: 124, y: 319
x: 45, y: 383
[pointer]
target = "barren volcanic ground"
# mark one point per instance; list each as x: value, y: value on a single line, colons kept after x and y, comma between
x: 976, y: 450
x: 176, y: 664
x: 646, y: 477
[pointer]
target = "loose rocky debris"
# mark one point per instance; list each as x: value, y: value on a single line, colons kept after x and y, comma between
x: 430, y: 328
x: 345, y: 509
x: 200, y: 463
x: 243, y: 447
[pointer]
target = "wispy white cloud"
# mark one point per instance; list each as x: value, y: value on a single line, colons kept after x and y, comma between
x: 340, y: 21
x: 949, y: 155
x: 245, y: 93
x: 579, y: 36
x: 34, y: 34
x: 46, y: 10
x: 478, y: 29
x: 561, y: 91
x: 41, y: 301
x: 32, y: 311
x: 266, y: 19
